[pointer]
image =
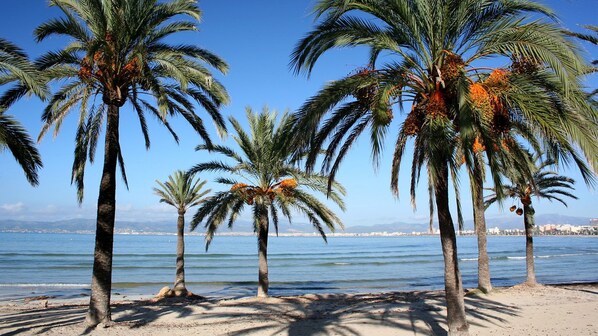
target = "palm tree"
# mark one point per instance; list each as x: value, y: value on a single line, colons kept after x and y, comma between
x: 436, y: 54
x: 182, y: 192
x: 117, y: 54
x: 15, y: 67
x: 544, y: 184
x: 273, y: 185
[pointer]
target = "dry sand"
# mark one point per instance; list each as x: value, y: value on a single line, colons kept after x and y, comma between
x: 519, y: 310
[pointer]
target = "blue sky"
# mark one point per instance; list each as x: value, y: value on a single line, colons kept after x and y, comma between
x: 256, y: 39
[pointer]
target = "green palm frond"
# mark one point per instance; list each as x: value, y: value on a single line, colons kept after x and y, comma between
x: 119, y: 53
x: 14, y: 137
x: 17, y: 70
x: 544, y: 184
x: 15, y: 67
x: 181, y: 191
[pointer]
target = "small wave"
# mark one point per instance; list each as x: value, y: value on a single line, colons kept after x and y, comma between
x: 566, y: 255
x: 515, y: 258
x: 468, y: 259
x: 334, y: 264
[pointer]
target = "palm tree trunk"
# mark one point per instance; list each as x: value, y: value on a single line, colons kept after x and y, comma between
x: 529, y: 244
x: 101, y: 282
x: 457, y: 323
x: 179, y: 279
x: 484, y: 283
x: 431, y: 205
x: 263, y: 283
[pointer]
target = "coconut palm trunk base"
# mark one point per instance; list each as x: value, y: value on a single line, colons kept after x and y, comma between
x: 101, y: 282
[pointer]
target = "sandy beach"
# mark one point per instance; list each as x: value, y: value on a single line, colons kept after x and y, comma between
x: 519, y: 310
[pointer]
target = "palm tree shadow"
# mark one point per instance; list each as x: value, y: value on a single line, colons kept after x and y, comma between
x: 141, y: 313
x: 46, y: 319
x: 133, y: 315
x: 341, y: 314
x: 325, y: 314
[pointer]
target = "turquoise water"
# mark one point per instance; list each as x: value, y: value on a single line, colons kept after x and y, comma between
x: 60, y: 264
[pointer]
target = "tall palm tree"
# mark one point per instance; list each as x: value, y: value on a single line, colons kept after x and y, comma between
x: 183, y: 192
x: 544, y: 184
x: 118, y: 54
x: 436, y: 54
x: 15, y: 68
x: 273, y: 185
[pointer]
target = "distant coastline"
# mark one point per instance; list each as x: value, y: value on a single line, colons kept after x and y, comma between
x: 302, y: 234
x: 507, y: 225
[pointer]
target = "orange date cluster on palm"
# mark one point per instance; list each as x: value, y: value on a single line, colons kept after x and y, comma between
x: 452, y: 68
x: 436, y: 105
x: 498, y: 79
x: 413, y: 122
x: 481, y: 100
x: 431, y: 107
x: 365, y: 95
x: 486, y: 98
x: 503, y: 144
x: 99, y: 67
x: 478, y: 146
x: 249, y: 193
x: 524, y: 65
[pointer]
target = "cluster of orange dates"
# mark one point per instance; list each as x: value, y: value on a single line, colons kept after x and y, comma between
x: 249, y: 193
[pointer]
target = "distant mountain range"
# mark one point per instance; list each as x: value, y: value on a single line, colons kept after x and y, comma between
x: 244, y: 226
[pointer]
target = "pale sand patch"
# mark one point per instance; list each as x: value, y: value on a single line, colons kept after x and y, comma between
x: 543, y: 310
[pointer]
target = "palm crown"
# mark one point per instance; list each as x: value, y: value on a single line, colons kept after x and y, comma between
x: 118, y: 52
x: 271, y: 183
x: 545, y: 183
x: 181, y: 191
x: 439, y: 52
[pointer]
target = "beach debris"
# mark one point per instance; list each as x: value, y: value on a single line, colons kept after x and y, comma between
x: 38, y: 298
x: 164, y: 292
x: 167, y: 293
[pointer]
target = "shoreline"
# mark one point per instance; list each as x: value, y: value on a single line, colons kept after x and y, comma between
x: 543, y: 310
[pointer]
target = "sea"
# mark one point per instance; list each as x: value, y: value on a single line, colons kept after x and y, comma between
x: 60, y: 265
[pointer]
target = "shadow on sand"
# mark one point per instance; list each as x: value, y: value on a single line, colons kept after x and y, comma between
x: 327, y: 314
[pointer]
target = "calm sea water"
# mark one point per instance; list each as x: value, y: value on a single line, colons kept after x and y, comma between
x: 60, y: 264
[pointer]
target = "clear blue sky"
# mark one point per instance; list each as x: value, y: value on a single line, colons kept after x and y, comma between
x: 256, y: 39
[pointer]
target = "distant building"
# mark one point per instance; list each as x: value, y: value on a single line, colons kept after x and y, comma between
x: 494, y: 231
